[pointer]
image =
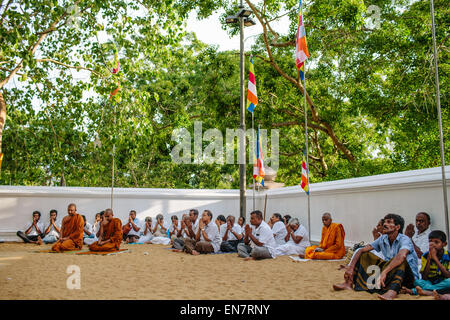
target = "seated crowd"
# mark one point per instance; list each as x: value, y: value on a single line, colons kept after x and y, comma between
x: 415, y: 262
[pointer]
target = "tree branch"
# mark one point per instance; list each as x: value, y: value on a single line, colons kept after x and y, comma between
x: 68, y: 66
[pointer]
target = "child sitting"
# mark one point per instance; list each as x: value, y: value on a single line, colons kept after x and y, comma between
x: 435, y: 267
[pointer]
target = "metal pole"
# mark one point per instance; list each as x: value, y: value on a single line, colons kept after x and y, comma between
x: 113, y: 162
x: 438, y: 105
x: 242, y: 178
x: 253, y: 143
x: 306, y: 155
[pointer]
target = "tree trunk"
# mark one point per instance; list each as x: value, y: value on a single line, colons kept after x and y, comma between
x: 2, y: 118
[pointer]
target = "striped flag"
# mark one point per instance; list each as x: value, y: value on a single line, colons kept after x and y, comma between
x: 301, y: 48
x: 305, y: 182
x: 258, y: 165
x: 252, y: 98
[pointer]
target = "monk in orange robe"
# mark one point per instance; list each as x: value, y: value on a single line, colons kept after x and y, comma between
x: 110, y: 234
x: 332, y: 242
x: 72, y: 227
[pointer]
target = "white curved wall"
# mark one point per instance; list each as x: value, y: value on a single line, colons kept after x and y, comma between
x: 356, y: 203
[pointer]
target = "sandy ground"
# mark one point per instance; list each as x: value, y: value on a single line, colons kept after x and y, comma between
x: 153, y: 272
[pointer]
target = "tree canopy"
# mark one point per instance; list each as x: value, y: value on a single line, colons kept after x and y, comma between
x: 370, y: 90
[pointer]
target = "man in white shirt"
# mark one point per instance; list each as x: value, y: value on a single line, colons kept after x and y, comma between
x: 420, y: 238
x: 53, y: 229
x: 34, y: 231
x: 188, y: 229
x: 259, y: 242
x: 174, y: 227
x: 296, y: 239
x: 135, y: 226
x: 207, y: 238
x: 231, y: 235
x: 278, y: 229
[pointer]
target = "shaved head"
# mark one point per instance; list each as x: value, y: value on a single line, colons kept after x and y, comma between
x: 326, y: 219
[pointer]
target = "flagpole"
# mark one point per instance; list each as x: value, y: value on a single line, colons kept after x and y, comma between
x: 113, y: 162
x: 253, y: 137
x: 438, y: 105
x: 307, y: 153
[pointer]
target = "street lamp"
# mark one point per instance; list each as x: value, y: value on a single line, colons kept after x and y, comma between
x: 243, y: 17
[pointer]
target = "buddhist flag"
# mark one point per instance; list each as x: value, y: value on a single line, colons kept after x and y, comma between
x: 258, y: 165
x: 305, y: 182
x: 252, y: 98
x: 301, y: 48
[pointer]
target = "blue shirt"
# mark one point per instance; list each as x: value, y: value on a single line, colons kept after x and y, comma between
x: 401, y: 242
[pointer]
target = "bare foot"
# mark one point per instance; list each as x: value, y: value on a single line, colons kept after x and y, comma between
x: 195, y: 252
x: 177, y: 250
x: 389, y: 295
x: 405, y: 290
x: 422, y: 292
x: 39, y: 241
x: 249, y: 258
x: 342, y: 286
x: 301, y: 256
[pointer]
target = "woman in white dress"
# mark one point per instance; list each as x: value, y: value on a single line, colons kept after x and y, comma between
x: 296, y: 239
x: 148, y: 231
x: 95, y: 229
x: 160, y: 231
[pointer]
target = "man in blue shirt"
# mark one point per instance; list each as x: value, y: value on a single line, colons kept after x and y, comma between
x: 368, y: 272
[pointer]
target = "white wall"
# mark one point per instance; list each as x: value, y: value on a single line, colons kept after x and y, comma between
x: 356, y: 203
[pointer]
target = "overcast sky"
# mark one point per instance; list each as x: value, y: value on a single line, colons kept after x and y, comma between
x: 210, y: 31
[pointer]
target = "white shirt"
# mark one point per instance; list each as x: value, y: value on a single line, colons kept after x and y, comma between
x: 158, y: 230
x: 178, y: 226
x: 213, y: 234
x: 421, y: 240
x: 87, y: 227
x: 302, y: 232
x: 52, y: 231
x: 264, y: 235
x: 33, y: 231
x: 223, y: 229
x: 138, y: 224
x: 279, y: 232
x: 96, y: 227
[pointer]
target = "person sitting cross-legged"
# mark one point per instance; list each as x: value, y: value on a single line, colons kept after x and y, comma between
x: 435, y: 268
x: 72, y: 227
x: 399, y: 269
x: 34, y: 231
x: 147, y: 235
x: 182, y: 234
x: 53, y: 229
x: 297, y: 239
x: 259, y: 242
x: 110, y: 234
x: 278, y: 229
x: 160, y: 232
x: 95, y: 229
x: 134, y: 226
x: 175, y: 226
x: 207, y: 238
x: 231, y: 235
x: 331, y: 244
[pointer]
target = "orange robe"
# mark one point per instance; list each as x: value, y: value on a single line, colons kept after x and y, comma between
x: 113, y: 231
x: 72, y: 227
x: 332, y: 242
